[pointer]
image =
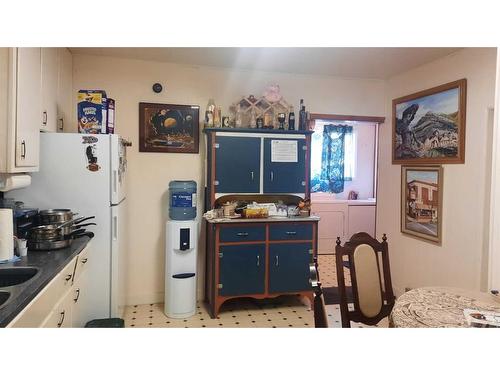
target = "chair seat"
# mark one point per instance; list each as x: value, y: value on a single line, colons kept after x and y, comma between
x: 331, y: 295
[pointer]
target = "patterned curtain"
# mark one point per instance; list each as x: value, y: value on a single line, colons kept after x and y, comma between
x: 332, y: 158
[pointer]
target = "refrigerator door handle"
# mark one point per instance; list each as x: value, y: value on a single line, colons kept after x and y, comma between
x: 115, y: 176
x: 115, y: 228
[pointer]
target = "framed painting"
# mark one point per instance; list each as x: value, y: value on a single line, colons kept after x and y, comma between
x: 422, y: 202
x: 428, y: 127
x: 169, y: 128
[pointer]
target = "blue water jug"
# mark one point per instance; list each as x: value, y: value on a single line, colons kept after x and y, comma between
x: 182, y: 200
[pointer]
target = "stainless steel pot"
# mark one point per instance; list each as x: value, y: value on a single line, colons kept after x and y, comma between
x: 55, y: 216
x: 56, y: 244
x: 55, y: 231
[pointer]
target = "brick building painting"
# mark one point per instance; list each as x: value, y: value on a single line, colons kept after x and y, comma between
x: 421, y: 202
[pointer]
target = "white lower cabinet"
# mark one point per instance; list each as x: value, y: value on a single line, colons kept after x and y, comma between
x: 60, y: 316
x: 332, y: 225
x: 63, y: 302
x: 342, y: 219
x: 362, y: 219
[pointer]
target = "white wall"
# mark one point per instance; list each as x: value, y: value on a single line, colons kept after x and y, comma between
x: 129, y: 82
x: 457, y: 262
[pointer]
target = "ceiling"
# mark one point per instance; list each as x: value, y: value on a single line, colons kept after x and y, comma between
x: 377, y: 63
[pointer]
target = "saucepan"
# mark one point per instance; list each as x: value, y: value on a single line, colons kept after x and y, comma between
x: 53, y: 231
x: 58, y: 243
x: 55, y: 216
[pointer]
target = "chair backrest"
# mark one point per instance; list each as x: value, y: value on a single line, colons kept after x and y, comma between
x: 320, y: 319
x: 368, y: 263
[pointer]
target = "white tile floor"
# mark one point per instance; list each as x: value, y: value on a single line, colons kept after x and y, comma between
x: 281, y: 312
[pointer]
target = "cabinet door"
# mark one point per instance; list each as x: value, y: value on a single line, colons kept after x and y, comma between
x: 50, y: 65
x: 333, y: 224
x: 28, y: 109
x: 60, y: 316
x: 79, y: 299
x: 64, y: 90
x: 289, y: 267
x: 242, y: 269
x: 237, y: 165
x: 362, y: 219
x: 284, y: 176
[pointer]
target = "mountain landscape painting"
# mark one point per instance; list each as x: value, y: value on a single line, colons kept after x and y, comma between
x: 429, y: 126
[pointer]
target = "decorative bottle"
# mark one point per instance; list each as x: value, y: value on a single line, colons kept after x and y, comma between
x: 217, y: 117
x: 291, y: 119
x: 209, y: 114
x: 253, y: 119
x: 302, y: 115
x: 238, y: 122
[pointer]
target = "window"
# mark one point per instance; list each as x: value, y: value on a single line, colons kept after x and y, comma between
x: 317, y: 154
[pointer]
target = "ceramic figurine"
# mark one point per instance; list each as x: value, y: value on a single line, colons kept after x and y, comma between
x: 272, y: 93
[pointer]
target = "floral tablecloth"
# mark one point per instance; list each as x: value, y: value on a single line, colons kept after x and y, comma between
x: 439, y: 307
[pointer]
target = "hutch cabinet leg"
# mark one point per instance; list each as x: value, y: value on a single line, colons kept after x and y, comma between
x: 213, y: 311
x: 215, y: 307
x: 309, y: 296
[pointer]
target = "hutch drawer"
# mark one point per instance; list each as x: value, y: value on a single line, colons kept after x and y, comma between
x: 290, y: 231
x: 247, y: 233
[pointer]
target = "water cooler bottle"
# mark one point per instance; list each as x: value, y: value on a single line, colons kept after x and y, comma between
x: 181, y: 251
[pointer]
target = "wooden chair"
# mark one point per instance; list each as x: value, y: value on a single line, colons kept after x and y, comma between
x: 320, y: 319
x: 370, y: 279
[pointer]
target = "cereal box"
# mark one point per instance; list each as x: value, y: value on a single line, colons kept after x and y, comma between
x: 110, y: 128
x: 92, y: 111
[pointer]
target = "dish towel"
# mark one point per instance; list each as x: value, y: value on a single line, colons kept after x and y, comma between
x: 15, y: 259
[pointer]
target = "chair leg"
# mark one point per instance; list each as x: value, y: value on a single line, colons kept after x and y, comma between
x: 346, y: 323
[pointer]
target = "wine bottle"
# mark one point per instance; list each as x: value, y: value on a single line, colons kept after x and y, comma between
x: 291, y: 119
x: 302, y: 115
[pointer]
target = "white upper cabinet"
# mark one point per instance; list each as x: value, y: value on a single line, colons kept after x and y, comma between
x: 50, y: 76
x: 64, y: 90
x: 35, y: 95
x: 20, y: 111
x: 28, y: 107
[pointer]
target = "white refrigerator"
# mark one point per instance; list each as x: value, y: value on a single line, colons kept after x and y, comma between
x: 87, y: 173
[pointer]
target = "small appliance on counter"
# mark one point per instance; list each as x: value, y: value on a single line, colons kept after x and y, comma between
x: 181, y: 250
x: 24, y: 220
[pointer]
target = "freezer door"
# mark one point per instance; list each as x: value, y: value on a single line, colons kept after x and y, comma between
x: 118, y: 169
x: 74, y: 173
x: 118, y: 258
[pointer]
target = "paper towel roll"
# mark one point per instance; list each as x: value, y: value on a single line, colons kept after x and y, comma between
x: 6, y: 234
x: 15, y: 181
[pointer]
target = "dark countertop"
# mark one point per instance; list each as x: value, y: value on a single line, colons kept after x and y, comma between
x: 257, y: 130
x: 270, y: 219
x: 49, y: 264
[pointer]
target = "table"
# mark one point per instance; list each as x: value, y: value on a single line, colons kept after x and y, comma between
x: 439, y: 307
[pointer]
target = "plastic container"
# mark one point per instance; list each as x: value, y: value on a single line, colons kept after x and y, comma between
x: 182, y: 197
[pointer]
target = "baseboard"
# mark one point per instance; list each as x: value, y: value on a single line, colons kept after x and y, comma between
x: 146, y: 298
x: 157, y: 297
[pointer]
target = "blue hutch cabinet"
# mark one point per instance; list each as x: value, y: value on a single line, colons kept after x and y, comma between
x: 258, y: 258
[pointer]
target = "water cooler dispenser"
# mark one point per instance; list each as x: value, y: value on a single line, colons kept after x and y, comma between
x: 181, y: 250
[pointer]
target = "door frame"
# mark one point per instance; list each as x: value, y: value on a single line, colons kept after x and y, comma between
x: 494, y: 214
x: 378, y: 120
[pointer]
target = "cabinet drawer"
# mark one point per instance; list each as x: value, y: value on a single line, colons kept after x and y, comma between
x: 294, y: 231
x: 82, y: 262
x: 242, y: 233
